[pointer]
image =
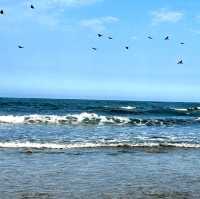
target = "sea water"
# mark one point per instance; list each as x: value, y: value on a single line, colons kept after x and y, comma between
x: 99, y: 149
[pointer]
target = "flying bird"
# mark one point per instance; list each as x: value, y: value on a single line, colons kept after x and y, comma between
x: 99, y: 35
x: 182, y: 43
x: 95, y: 49
x: 167, y: 38
x: 126, y: 47
x: 149, y: 37
x: 32, y: 6
x: 19, y: 46
x: 180, y: 62
x: 1, y: 12
x: 110, y: 38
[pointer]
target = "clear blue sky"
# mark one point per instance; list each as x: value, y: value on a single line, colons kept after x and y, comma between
x: 58, y: 62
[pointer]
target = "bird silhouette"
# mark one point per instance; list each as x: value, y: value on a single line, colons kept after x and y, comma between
x: 182, y: 43
x: 126, y: 47
x: 149, y: 37
x: 95, y: 49
x: 167, y: 38
x: 180, y: 62
x: 99, y: 35
x: 1, y: 12
x: 19, y: 46
x: 32, y: 6
x: 110, y: 38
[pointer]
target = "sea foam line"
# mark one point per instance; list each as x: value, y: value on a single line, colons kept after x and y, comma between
x: 68, y: 119
x: 92, y: 118
x: 35, y: 145
x: 186, y: 109
x: 128, y: 107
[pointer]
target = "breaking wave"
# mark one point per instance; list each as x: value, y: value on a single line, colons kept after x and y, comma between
x: 124, y: 110
x: 187, y: 109
x: 92, y: 118
x: 32, y: 145
x: 128, y: 107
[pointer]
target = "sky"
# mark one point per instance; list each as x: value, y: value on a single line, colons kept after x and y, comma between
x: 57, y: 60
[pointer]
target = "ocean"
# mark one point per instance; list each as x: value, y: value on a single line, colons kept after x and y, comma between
x: 99, y: 149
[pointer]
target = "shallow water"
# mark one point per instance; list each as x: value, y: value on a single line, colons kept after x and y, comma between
x: 94, y: 173
x: 99, y: 149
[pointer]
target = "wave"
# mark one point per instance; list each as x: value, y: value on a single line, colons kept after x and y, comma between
x: 190, y: 109
x: 128, y: 107
x: 87, y: 118
x: 127, y: 110
x: 32, y: 145
x: 193, y: 111
x: 113, y: 110
x: 180, y: 109
x: 93, y: 119
x: 144, y: 110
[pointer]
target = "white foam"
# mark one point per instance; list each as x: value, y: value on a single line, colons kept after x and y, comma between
x: 32, y: 145
x: 180, y: 109
x: 55, y: 119
x: 185, y: 109
x: 12, y: 119
x: 87, y: 118
x: 128, y: 107
x: 182, y: 145
x: 71, y: 146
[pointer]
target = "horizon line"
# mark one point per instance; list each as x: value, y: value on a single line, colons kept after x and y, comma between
x: 93, y: 99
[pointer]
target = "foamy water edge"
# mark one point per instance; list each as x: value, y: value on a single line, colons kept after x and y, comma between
x: 92, y: 118
x: 35, y: 145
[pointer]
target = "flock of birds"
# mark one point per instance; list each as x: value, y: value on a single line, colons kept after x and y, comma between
x: 149, y: 37
x: 2, y: 13
x: 101, y: 35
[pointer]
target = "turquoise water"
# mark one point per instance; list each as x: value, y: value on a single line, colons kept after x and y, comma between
x: 99, y: 149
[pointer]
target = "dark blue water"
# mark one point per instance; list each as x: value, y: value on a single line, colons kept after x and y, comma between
x: 99, y: 149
